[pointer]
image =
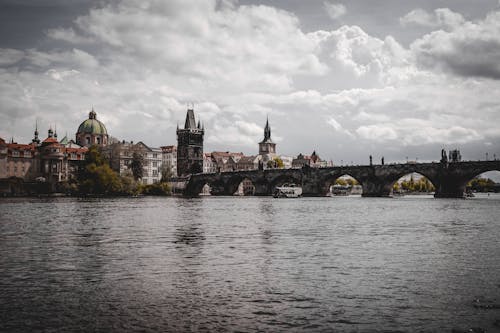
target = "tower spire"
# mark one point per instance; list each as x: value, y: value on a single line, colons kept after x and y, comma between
x: 267, y: 130
x: 35, y: 138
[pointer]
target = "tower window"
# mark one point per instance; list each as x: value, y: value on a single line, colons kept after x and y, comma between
x: 98, y: 140
x: 88, y: 140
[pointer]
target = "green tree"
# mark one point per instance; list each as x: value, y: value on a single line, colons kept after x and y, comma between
x: 96, y: 176
x: 278, y: 162
x: 137, y: 166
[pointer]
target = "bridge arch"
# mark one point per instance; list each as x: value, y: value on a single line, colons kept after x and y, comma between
x: 206, y: 186
x: 240, y: 185
x: 283, y: 179
x: 482, y: 182
x: 417, y: 182
x: 330, y: 180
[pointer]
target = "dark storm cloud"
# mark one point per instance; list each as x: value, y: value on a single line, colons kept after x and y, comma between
x: 469, y: 49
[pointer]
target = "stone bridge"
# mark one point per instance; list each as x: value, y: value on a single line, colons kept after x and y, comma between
x: 449, y: 179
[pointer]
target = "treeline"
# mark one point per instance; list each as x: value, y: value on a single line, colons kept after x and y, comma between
x: 421, y: 185
x: 95, y: 177
x: 479, y: 184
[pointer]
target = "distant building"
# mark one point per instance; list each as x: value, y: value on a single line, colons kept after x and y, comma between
x: 92, y: 132
x: 267, y: 148
x: 169, y: 158
x: 190, y: 146
x: 121, y: 154
x: 287, y: 161
x: 209, y: 164
x: 313, y: 161
x: 226, y: 161
x: 249, y: 162
x: 47, y: 161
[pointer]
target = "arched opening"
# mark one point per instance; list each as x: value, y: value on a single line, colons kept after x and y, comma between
x: 483, y: 184
x: 342, y: 185
x: 285, y: 180
x: 245, y: 188
x: 211, y: 188
x: 413, y: 184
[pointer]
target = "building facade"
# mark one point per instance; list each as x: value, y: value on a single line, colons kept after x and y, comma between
x: 48, y: 161
x: 121, y: 154
x: 190, y: 146
x: 169, y: 159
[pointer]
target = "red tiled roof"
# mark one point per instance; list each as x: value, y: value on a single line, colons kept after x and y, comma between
x: 77, y: 150
x: 19, y: 146
x: 50, y: 140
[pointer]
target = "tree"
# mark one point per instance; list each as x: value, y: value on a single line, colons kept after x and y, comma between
x: 278, y: 162
x: 166, y: 173
x: 96, y: 176
x: 137, y: 166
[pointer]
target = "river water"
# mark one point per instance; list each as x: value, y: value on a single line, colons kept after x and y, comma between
x: 342, y: 264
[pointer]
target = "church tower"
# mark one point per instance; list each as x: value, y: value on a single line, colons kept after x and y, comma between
x: 190, y: 146
x: 267, y: 148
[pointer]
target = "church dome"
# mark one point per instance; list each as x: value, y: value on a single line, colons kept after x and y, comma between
x: 92, y: 126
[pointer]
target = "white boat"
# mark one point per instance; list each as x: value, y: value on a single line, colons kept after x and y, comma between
x: 287, y: 191
x: 340, y: 190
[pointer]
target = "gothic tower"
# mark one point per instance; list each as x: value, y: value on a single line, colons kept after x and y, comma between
x: 267, y: 148
x: 190, y: 146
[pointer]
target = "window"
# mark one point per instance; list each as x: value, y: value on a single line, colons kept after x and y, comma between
x: 15, y: 153
x: 155, y: 164
x: 27, y: 154
x: 155, y: 155
x: 88, y: 140
x: 155, y: 173
x: 98, y: 140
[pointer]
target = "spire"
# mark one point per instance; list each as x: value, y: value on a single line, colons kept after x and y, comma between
x: 92, y: 114
x: 267, y: 130
x: 35, y: 138
x: 199, y: 124
x: 50, y: 132
x: 190, y: 121
x: 55, y: 131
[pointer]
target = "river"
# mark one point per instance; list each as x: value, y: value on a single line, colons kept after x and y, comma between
x: 342, y: 264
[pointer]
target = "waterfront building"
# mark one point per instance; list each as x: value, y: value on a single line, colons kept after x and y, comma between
x: 287, y: 161
x: 169, y: 159
x: 92, y: 132
x: 121, y: 154
x: 209, y: 164
x: 190, y: 146
x: 249, y: 162
x: 267, y: 148
x: 313, y: 161
x: 225, y: 161
x: 47, y: 161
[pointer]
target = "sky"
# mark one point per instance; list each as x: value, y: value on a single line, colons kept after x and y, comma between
x: 395, y: 78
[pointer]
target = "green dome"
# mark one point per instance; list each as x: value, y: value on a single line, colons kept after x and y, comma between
x: 92, y: 125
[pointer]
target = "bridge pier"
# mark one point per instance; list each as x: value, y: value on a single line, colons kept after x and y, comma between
x: 373, y: 188
x: 452, y: 189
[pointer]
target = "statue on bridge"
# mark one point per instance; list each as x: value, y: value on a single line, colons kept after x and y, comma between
x: 444, y: 158
x: 382, y: 160
x: 371, y: 160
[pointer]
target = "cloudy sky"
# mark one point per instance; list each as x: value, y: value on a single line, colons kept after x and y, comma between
x: 393, y: 78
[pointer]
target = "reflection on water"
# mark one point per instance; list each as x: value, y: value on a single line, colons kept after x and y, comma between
x: 250, y: 264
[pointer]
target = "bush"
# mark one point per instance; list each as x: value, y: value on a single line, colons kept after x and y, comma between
x: 156, y: 189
